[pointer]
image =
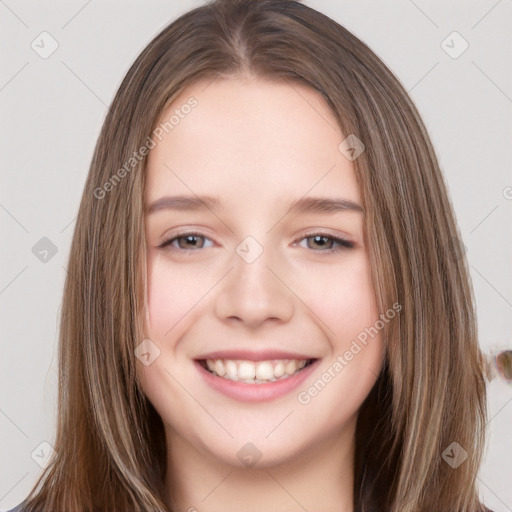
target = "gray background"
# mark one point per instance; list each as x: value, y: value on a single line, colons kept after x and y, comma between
x: 52, y: 110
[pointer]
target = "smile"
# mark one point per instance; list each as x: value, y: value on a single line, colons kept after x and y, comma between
x: 252, y: 372
x: 255, y: 381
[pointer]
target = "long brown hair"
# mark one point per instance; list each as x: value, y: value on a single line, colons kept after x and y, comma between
x: 110, y: 444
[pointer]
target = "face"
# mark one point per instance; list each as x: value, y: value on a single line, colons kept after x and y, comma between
x: 258, y: 313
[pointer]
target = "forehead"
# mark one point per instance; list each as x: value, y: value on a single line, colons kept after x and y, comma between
x: 255, y: 137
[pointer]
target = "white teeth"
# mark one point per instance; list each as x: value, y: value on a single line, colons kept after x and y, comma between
x: 279, y: 370
x: 219, y: 368
x: 231, y: 370
x: 264, y: 371
x: 290, y: 368
x: 255, y: 372
x: 246, y: 371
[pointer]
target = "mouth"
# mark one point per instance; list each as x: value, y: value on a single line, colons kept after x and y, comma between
x: 255, y: 372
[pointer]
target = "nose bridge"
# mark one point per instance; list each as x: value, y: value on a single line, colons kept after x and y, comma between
x: 252, y: 293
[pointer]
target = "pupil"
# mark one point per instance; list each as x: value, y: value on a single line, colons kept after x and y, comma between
x: 318, y: 240
x: 191, y: 240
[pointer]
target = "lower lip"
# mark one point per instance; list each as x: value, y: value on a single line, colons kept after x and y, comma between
x: 246, y: 392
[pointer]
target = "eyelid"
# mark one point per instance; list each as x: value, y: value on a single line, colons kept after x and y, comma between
x: 172, y: 237
x: 326, y: 233
x: 343, y: 242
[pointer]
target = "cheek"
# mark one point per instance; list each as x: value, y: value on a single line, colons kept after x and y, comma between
x: 344, y: 300
x: 172, y: 294
x: 342, y: 296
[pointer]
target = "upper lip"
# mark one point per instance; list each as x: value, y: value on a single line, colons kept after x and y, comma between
x: 250, y: 355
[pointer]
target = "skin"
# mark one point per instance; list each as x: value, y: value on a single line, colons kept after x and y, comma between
x: 257, y: 145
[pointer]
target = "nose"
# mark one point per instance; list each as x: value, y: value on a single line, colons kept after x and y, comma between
x: 253, y: 293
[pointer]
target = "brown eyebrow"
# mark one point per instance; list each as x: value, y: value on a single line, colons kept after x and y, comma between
x: 325, y: 205
x: 185, y: 203
x: 302, y: 205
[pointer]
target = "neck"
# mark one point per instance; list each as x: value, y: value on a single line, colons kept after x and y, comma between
x: 318, y: 480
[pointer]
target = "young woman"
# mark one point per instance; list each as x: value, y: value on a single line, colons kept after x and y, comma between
x: 265, y: 308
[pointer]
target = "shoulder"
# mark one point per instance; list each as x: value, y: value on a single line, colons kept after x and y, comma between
x: 19, y: 508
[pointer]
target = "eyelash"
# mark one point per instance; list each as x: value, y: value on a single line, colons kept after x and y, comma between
x: 342, y: 243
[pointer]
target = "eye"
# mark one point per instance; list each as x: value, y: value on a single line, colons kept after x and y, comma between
x: 185, y: 242
x: 320, y: 242
x: 323, y: 242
